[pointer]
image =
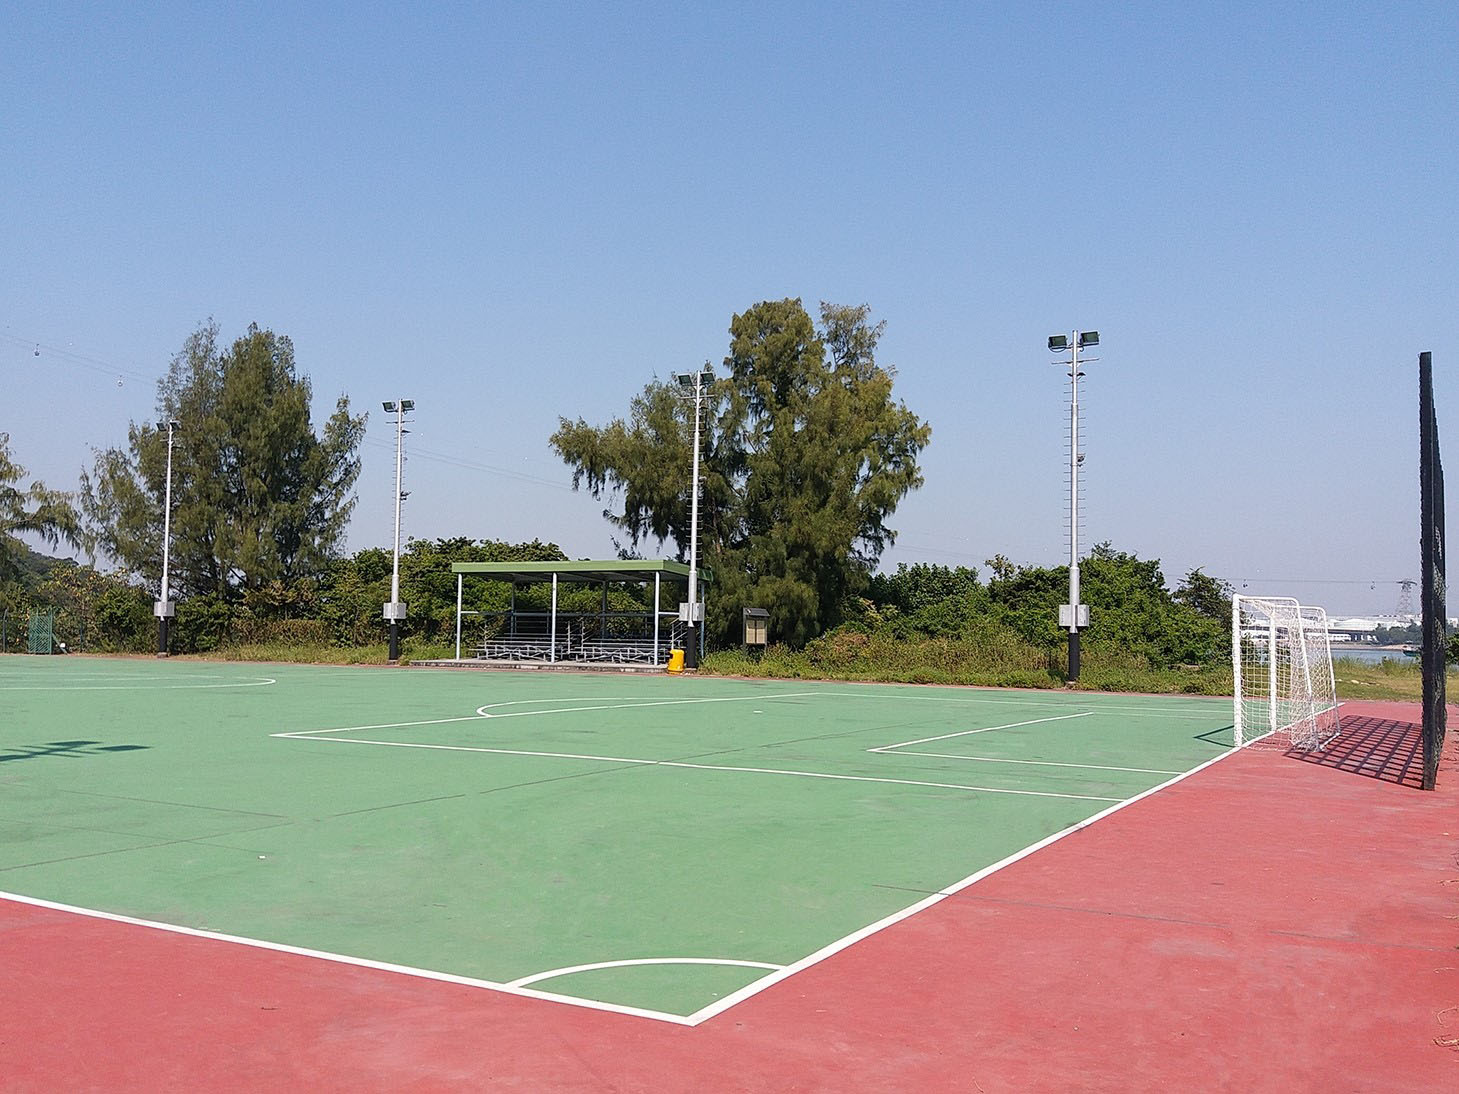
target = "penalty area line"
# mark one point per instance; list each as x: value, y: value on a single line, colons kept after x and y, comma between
x: 985, y: 729
x: 626, y: 704
x: 318, y: 734
x: 695, y: 767
x: 1040, y: 763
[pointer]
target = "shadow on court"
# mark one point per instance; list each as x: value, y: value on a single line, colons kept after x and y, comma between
x: 1385, y: 749
x: 69, y: 749
x: 1220, y: 737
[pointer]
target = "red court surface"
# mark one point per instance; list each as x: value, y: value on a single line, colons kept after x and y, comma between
x: 1271, y: 923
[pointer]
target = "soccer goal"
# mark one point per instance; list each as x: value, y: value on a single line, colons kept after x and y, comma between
x: 1286, y: 696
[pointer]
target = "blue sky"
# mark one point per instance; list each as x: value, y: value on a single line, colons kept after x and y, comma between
x: 515, y: 212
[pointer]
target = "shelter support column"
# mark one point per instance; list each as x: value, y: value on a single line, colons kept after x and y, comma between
x: 459, y: 578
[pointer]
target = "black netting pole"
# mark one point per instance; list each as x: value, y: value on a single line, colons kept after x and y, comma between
x: 1434, y: 585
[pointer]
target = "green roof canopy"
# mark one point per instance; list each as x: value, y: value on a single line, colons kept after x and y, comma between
x: 586, y: 570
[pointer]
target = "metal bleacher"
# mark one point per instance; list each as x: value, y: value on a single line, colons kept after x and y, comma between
x: 620, y: 638
x: 571, y: 633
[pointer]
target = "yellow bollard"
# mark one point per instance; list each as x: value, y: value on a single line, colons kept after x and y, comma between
x: 676, y: 661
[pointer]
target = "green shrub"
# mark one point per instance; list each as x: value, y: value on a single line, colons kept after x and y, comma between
x: 247, y: 629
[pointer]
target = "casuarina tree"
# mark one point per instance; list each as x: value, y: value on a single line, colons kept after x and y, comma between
x: 806, y: 454
x: 260, y: 500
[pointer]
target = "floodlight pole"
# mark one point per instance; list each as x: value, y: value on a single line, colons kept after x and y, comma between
x: 1073, y: 615
x: 691, y: 655
x: 164, y: 608
x: 394, y: 611
x: 695, y: 382
x: 1074, y: 514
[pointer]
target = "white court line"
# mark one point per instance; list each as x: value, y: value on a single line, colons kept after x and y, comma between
x: 696, y: 1018
x: 775, y: 977
x: 28, y: 674
x: 986, y: 729
x: 261, y: 681
x: 899, y: 782
x: 623, y: 703
x: 765, y: 982
x: 1038, y: 763
x: 481, y: 713
x: 346, y: 959
x: 466, y: 748
x: 552, y: 974
x: 318, y: 734
x: 689, y: 766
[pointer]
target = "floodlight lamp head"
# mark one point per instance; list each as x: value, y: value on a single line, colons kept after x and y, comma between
x: 1088, y: 338
x: 407, y: 404
x: 389, y: 407
x: 1058, y: 343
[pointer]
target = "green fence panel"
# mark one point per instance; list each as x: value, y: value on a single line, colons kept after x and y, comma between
x: 42, y: 631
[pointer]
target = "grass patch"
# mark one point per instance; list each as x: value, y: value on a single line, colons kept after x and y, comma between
x: 1006, y: 662
x: 1388, y: 679
x: 322, y: 653
x: 850, y: 654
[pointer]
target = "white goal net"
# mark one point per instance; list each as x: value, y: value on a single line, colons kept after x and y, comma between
x: 1286, y: 696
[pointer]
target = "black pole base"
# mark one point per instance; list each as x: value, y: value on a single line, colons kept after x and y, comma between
x: 691, y: 648
x: 1073, y: 676
x: 394, y: 641
x: 162, y: 636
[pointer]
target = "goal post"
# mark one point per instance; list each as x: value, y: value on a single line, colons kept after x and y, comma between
x: 1281, y: 661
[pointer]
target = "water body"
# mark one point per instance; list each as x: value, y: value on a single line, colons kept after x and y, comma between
x: 1369, y: 654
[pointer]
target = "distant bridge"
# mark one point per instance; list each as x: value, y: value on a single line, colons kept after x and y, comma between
x: 1365, y: 628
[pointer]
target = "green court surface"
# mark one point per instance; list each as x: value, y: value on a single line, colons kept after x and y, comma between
x: 662, y: 846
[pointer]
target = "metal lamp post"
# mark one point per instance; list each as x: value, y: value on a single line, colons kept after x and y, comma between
x: 394, y: 610
x: 693, y: 385
x: 1074, y: 615
x: 164, y: 608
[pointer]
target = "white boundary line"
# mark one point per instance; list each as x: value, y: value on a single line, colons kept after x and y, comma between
x: 766, y: 982
x: 346, y: 959
x: 519, y: 987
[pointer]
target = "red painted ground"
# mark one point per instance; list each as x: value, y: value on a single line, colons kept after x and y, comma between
x: 1270, y: 924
